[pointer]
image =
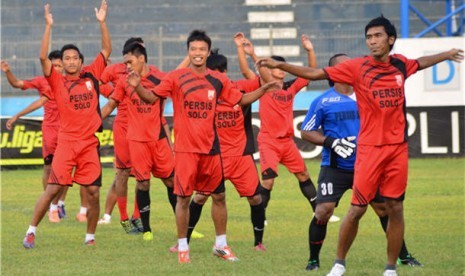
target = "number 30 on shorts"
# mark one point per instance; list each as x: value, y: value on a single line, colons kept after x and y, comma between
x: 326, y: 188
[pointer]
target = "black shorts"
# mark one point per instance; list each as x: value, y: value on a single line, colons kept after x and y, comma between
x: 333, y: 183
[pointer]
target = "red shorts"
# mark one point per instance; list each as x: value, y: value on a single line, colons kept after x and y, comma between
x: 384, y: 167
x: 279, y: 150
x: 241, y: 171
x: 198, y: 172
x: 82, y: 155
x: 151, y: 157
x: 121, y: 146
x: 49, y: 142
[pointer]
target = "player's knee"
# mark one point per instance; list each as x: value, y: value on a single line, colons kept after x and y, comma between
x: 200, y: 198
x: 269, y: 174
x: 254, y: 200
x: 169, y: 182
x: 302, y: 176
x: 143, y: 185
x: 219, y: 198
x: 323, y: 212
x: 183, y: 202
x: 355, y: 213
x: 394, y: 208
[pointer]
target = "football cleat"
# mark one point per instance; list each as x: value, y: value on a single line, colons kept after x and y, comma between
x: 260, y: 247
x: 197, y: 235
x: 53, y: 216
x: 128, y: 227
x: 29, y: 241
x: 103, y: 221
x: 174, y: 248
x: 410, y: 260
x: 225, y: 253
x: 138, y: 224
x: 183, y: 257
x: 81, y: 217
x: 148, y: 236
x: 62, y: 211
x: 90, y: 243
x: 337, y: 270
x: 313, y: 265
x: 390, y: 272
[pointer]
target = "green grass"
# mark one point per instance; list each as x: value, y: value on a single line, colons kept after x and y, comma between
x: 434, y: 212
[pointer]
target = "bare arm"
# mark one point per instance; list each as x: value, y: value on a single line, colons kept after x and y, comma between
x: 145, y: 95
x: 299, y: 71
x: 308, y: 46
x: 239, y: 40
x: 101, y: 15
x: 108, y: 108
x: 29, y: 109
x: 313, y: 136
x: 43, y: 55
x: 427, y: 61
x: 251, y: 97
x: 12, y: 80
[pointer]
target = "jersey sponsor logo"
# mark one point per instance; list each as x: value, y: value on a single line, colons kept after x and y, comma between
x: 89, y: 85
x: 211, y: 94
x: 331, y: 99
x: 399, y: 80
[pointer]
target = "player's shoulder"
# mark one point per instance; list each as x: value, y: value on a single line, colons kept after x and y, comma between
x: 397, y: 56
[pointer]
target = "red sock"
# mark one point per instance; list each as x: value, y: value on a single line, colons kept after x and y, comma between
x: 135, y: 214
x: 122, y: 204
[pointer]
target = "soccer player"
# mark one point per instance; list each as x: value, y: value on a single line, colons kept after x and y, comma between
x: 234, y: 127
x: 195, y: 91
x: 382, y: 153
x: 335, y: 111
x: 76, y: 94
x: 50, y: 125
x: 276, y: 137
x: 150, y: 150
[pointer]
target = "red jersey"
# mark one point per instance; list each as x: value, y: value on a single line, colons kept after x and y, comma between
x: 234, y: 124
x: 194, y: 103
x: 144, y: 123
x: 51, y: 115
x: 379, y: 88
x: 276, y: 109
x: 112, y: 74
x: 78, y: 101
x: 106, y: 90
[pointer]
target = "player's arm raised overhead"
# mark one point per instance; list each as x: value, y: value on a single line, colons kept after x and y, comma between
x: 30, y: 108
x: 43, y: 55
x: 240, y: 41
x: 299, y: 71
x: 12, y: 80
x: 101, y: 15
x: 308, y: 46
x: 427, y: 61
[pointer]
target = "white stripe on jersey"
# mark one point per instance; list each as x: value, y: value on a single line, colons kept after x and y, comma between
x: 310, y: 124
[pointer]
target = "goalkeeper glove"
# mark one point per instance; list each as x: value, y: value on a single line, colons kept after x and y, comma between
x: 341, y: 146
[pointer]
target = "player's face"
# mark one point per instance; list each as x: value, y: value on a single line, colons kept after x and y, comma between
x: 378, y: 42
x: 71, y: 61
x: 57, y: 65
x: 278, y: 73
x: 198, y: 52
x: 134, y: 63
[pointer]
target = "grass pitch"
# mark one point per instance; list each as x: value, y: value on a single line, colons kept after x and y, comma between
x: 434, y: 215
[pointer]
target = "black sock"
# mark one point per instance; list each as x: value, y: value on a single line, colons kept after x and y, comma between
x: 266, y: 196
x: 308, y: 190
x: 257, y: 214
x: 143, y: 202
x: 316, y: 237
x: 195, y: 210
x: 172, y: 198
x: 403, y: 251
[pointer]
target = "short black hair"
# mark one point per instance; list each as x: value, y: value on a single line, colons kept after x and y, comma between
x: 216, y: 61
x: 332, y: 62
x: 383, y: 22
x: 72, y: 47
x: 199, y: 35
x: 135, y: 46
x: 55, y: 54
x: 278, y: 58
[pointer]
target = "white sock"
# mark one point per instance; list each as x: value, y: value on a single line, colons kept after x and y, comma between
x: 182, y: 244
x: 221, y: 241
x: 61, y: 203
x: 53, y: 207
x: 107, y: 217
x: 31, y: 229
x: 90, y: 237
x: 83, y: 210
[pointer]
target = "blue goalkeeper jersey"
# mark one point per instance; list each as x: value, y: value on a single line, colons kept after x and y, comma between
x: 337, y: 115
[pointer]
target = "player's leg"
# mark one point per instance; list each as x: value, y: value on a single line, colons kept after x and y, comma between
x: 93, y: 210
x: 53, y: 214
x: 169, y: 183
x: 121, y: 190
x: 82, y: 215
x: 269, y: 159
x: 110, y: 202
x: 163, y: 160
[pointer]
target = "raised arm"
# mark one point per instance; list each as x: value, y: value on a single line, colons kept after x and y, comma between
x: 29, y: 109
x: 427, y: 61
x: 299, y: 71
x: 44, y: 61
x: 239, y: 40
x: 251, y: 97
x: 12, y: 80
x: 308, y: 46
x: 101, y: 15
x: 184, y: 63
x: 145, y: 95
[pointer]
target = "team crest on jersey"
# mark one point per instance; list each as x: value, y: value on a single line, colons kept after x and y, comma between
x: 399, y: 80
x: 211, y: 94
x: 89, y: 85
x: 236, y: 107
